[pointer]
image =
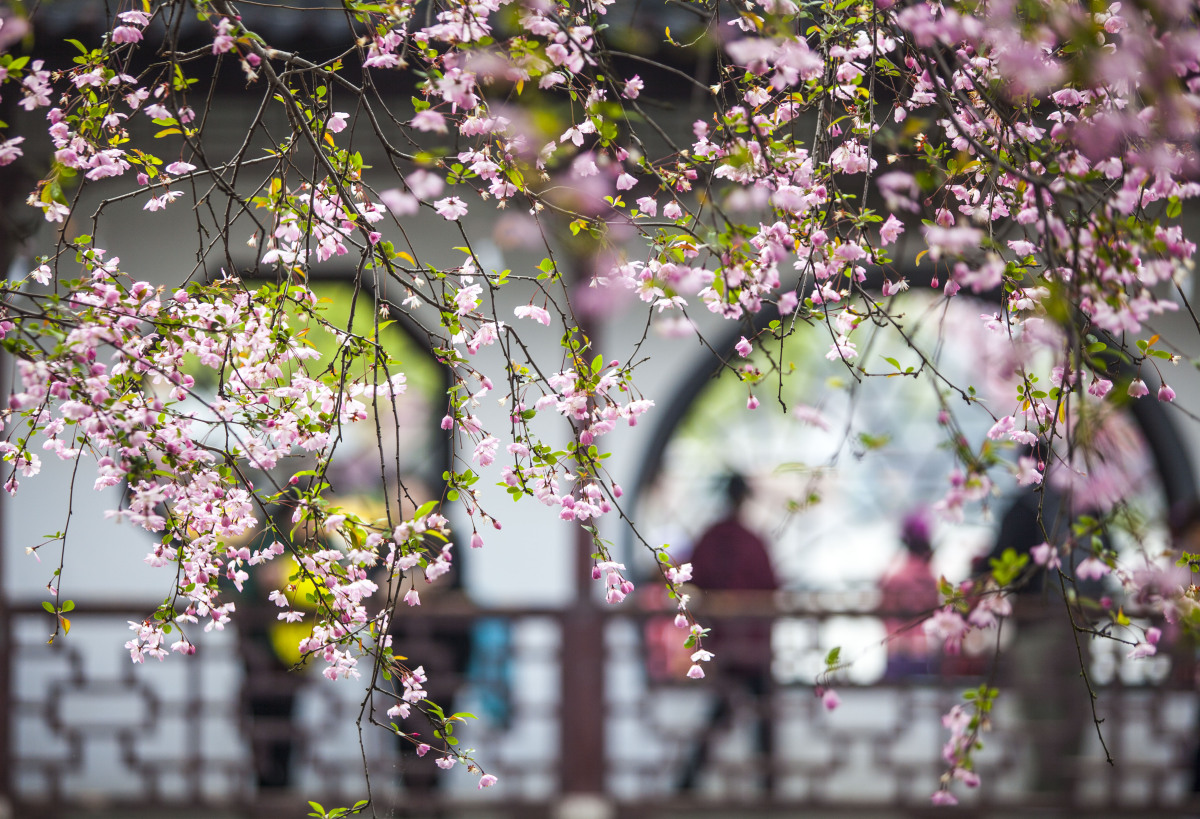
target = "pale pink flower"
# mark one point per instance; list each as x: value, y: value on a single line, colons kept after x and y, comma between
x: 451, y: 208
x: 633, y: 87
x: 1046, y: 555
x: 890, y: 231
x: 424, y: 185
x: 743, y: 347
x: 696, y: 672
x: 1091, y: 569
x: 968, y: 778
x: 830, y: 699
x: 1029, y: 471
x: 137, y: 18
x: 1165, y: 393
x: 429, y: 121
x: 943, y: 798
x: 224, y: 40
x: 336, y: 123
x: 126, y: 34
x: 1138, y: 388
x: 487, y: 780
x: 399, y: 202
x: 531, y: 311
x: 1142, y: 650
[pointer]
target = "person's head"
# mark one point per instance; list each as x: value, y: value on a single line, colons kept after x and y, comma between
x: 916, y: 534
x: 737, y: 490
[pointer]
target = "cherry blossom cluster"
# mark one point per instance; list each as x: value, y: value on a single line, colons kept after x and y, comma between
x: 1036, y: 156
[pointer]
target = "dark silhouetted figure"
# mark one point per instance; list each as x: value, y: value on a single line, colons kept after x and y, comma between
x: 731, y: 558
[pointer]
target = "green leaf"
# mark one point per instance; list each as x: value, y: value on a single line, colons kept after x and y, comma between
x: 428, y: 506
x: 48, y: 606
x: 831, y: 659
x: 1006, y: 567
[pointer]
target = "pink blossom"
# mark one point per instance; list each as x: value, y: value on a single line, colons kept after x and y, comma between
x: 968, y: 778
x: 695, y: 672
x: 1045, y: 555
x: 487, y: 780
x: 830, y: 699
x: 126, y: 34
x: 1029, y: 471
x: 429, y: 121
x: 531, y: 311
x: 336, y: 123
x: 1091, y: 569
x: 951, y: 241
x: 1138, y: 388
x: 9, y: 151
x: 1165, y: 393
x: 949, y: 626
x: 399, y: 202
x: 633, y: 87
x: 422, y: 749
x: 1142, y: 650
x: 890, y: 231
x: 451, y: 208
x: 137, y: 18
x: 224, y: 40
x: 424, y: 185
x: 943, y: 797
x: 743, y: 347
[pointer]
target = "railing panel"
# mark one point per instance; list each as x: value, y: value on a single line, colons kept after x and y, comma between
x: 92, y: 729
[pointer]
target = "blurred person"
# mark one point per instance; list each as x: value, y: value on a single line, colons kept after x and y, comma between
x: 729, y: 557
x: 908, y: 590
x: 1044, y: 660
